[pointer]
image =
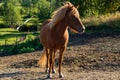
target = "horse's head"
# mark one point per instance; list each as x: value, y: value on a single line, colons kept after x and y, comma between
x: 73, y: 20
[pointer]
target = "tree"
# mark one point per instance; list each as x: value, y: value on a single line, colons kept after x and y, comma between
x: 12, y: 15
x: 44, y: 9
x: 96, y: 7
x: 108, y: 6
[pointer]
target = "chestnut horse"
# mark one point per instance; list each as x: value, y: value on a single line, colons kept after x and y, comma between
x: 54, y: 35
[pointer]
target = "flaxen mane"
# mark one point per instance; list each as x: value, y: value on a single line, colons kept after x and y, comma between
x: 59, y: 14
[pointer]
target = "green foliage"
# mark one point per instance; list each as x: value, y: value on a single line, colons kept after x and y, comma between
x: 104, y: 24
x: 12, y: 15
x: 14, y: 12
x: 24, y: 50
x: 31, y: 43
x: 28, y: 7
x: 96, y: 7
x: 29, y: 38
x: 9, y: 36
x: 44, y: 10
x: 27, y: 3
x: 2, y: 25
x: 28, y: 46
x: 55, y: 4
x: 108, y: 6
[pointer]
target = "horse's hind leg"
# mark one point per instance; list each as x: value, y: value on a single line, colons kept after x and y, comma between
x: 48, y: 56
x: 50, y: 64
x: 53, y: 66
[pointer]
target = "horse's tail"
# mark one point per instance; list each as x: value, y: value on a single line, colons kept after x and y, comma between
x: 43, y: 59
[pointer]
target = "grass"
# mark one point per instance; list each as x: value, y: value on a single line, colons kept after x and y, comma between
x: 103, y: 23
x: 28, y: 44
x: 1, y: 4
x: 112, y: 20
x: 11, y: 35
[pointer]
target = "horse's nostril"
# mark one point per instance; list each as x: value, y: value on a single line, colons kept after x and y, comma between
x: 83, y: 29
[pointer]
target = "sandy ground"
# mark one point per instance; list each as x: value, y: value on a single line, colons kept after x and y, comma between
x: 86, y: 58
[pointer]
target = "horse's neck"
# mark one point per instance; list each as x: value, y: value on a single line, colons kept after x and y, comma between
x: 60, y: 28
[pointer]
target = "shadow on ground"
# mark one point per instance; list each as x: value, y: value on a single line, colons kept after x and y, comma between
x: 25, y: 64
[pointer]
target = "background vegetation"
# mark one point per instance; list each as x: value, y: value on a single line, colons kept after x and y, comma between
x: 14, y: 12
x: 97, y: 15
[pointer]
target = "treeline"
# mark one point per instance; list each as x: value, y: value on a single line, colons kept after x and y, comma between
x: 96, y: 7
x: 15, y: 12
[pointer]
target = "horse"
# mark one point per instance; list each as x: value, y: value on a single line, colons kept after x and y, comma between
x: 54, y: 36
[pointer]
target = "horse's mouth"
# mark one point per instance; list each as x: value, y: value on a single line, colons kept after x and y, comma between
x: 81, y: 30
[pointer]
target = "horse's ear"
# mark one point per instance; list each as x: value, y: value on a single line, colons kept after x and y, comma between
x: 69, y: 9
x: 67, y: 2
x: 77, y: 6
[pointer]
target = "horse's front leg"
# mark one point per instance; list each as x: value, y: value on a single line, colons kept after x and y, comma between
x: 60, y: 61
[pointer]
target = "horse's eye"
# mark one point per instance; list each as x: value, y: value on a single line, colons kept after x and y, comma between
x: 74, y: 17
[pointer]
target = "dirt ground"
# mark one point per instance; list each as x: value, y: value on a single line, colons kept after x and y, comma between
x: 88, y: 57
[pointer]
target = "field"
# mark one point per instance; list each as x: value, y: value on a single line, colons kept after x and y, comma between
x: 88, y: 57
x: 10, y: 35
x: 12, y: 40
x: 94, y: 55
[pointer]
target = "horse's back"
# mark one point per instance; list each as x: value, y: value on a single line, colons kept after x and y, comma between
x: 46, y: 22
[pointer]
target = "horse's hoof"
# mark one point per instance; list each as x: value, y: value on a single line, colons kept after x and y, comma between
x: 53, y: 71
x: 49, y: 76
x: 47, y: 70
x: 61, y: 75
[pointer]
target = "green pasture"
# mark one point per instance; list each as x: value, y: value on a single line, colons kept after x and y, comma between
x: 9, y: 35
x: 10, y: 41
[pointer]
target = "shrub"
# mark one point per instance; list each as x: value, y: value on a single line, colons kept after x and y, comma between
x: 44, y: 10
x: 27, y: 49
x: 2, y: 25
x: 28, y: 46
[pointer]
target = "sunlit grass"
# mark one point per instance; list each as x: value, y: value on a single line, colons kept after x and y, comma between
x: 112, y: 20
x: 1, y: 4
x: 29, y: 37
x: 6, y: 36
x: 7, y: 31
x: 9, y: 41
x: 9, y: 36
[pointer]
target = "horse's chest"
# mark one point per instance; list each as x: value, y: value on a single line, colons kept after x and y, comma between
x: 60, y: 41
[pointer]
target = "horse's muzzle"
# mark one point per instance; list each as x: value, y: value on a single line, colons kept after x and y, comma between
x: 81, y: 30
